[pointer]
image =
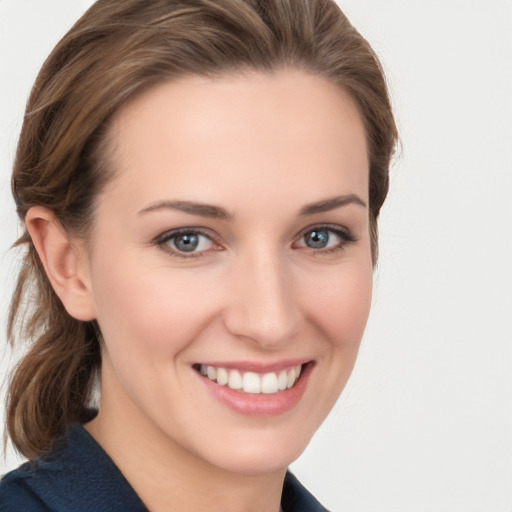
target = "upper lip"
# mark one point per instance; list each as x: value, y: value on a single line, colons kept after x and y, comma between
x: 255, y: 366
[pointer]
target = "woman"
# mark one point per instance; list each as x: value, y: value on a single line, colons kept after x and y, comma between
x: 200, y: 184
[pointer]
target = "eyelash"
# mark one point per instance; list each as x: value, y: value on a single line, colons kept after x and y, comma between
x: 346, y: 238
x: 163, y: 240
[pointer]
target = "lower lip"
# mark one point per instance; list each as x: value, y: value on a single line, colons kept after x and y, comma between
x: 260, y: 404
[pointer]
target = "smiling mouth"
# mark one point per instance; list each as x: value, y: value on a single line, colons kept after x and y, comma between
x: 251, y: 382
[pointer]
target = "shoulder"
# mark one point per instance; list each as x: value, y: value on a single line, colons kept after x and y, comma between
x: 16, y: 493
x: 33, y: 486
x: 76, y: 475
x: 296, y: 498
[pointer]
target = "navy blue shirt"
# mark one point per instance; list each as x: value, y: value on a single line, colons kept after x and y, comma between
x: 78, y: 476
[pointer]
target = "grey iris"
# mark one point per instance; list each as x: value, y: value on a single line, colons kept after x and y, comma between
x: 186, y: 243
x: 316, y: 239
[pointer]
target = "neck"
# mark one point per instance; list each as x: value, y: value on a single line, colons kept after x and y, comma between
x: 168, y: 477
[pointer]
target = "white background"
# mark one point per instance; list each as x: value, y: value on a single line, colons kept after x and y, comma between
x: 425, y: 423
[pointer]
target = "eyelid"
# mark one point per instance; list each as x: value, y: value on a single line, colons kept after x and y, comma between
x: 335, y: 228
x: 346, y: 235
x: 162, y: 239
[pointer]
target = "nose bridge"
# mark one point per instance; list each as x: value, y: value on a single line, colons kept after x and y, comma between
x: 262, y: 306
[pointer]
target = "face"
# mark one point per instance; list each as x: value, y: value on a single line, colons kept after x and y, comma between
x: 230, y: 253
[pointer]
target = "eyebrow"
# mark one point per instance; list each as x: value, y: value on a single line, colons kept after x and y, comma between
x: 216, y: 212
x: 201, y: 209
x: 331, y: 204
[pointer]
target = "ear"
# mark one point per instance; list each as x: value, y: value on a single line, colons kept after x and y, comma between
x: 64, y: 262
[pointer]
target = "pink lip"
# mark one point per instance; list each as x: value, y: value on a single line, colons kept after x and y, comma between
x: 260, y: 404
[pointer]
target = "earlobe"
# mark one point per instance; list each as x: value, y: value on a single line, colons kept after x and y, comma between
x: 64, y: 262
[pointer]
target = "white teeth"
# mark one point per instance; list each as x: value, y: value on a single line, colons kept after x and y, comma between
x: 251, y: 382
x: 235, y: 380
x: 222, y: 376
x: 211, y: 372
x: 282, y: 380
x: 292, y: 375
x: 269, y: 383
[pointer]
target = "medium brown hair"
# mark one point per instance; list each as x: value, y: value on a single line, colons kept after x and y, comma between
x: 117, y: 48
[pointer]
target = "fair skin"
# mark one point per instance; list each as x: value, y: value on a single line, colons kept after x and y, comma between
x: 276, y: 276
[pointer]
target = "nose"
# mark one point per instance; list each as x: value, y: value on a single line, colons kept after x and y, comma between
x: 262, y: 304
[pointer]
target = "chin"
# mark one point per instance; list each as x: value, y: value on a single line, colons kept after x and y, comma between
x: 259, y: 454
x: 260, y: 461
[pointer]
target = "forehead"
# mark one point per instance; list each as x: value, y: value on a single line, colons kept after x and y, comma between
x: 253, y: 133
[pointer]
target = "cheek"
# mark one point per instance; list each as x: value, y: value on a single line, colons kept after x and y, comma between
x: 341, y: 305
x: 150, y: 315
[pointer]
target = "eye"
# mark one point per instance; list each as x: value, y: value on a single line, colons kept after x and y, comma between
x: 189, y: 242
x: 325, y: 239
x: 319, y: 239
x: 185, y: 243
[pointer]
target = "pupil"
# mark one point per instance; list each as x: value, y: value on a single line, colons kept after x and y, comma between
x: 317, y: 239
x: 186, y: 243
